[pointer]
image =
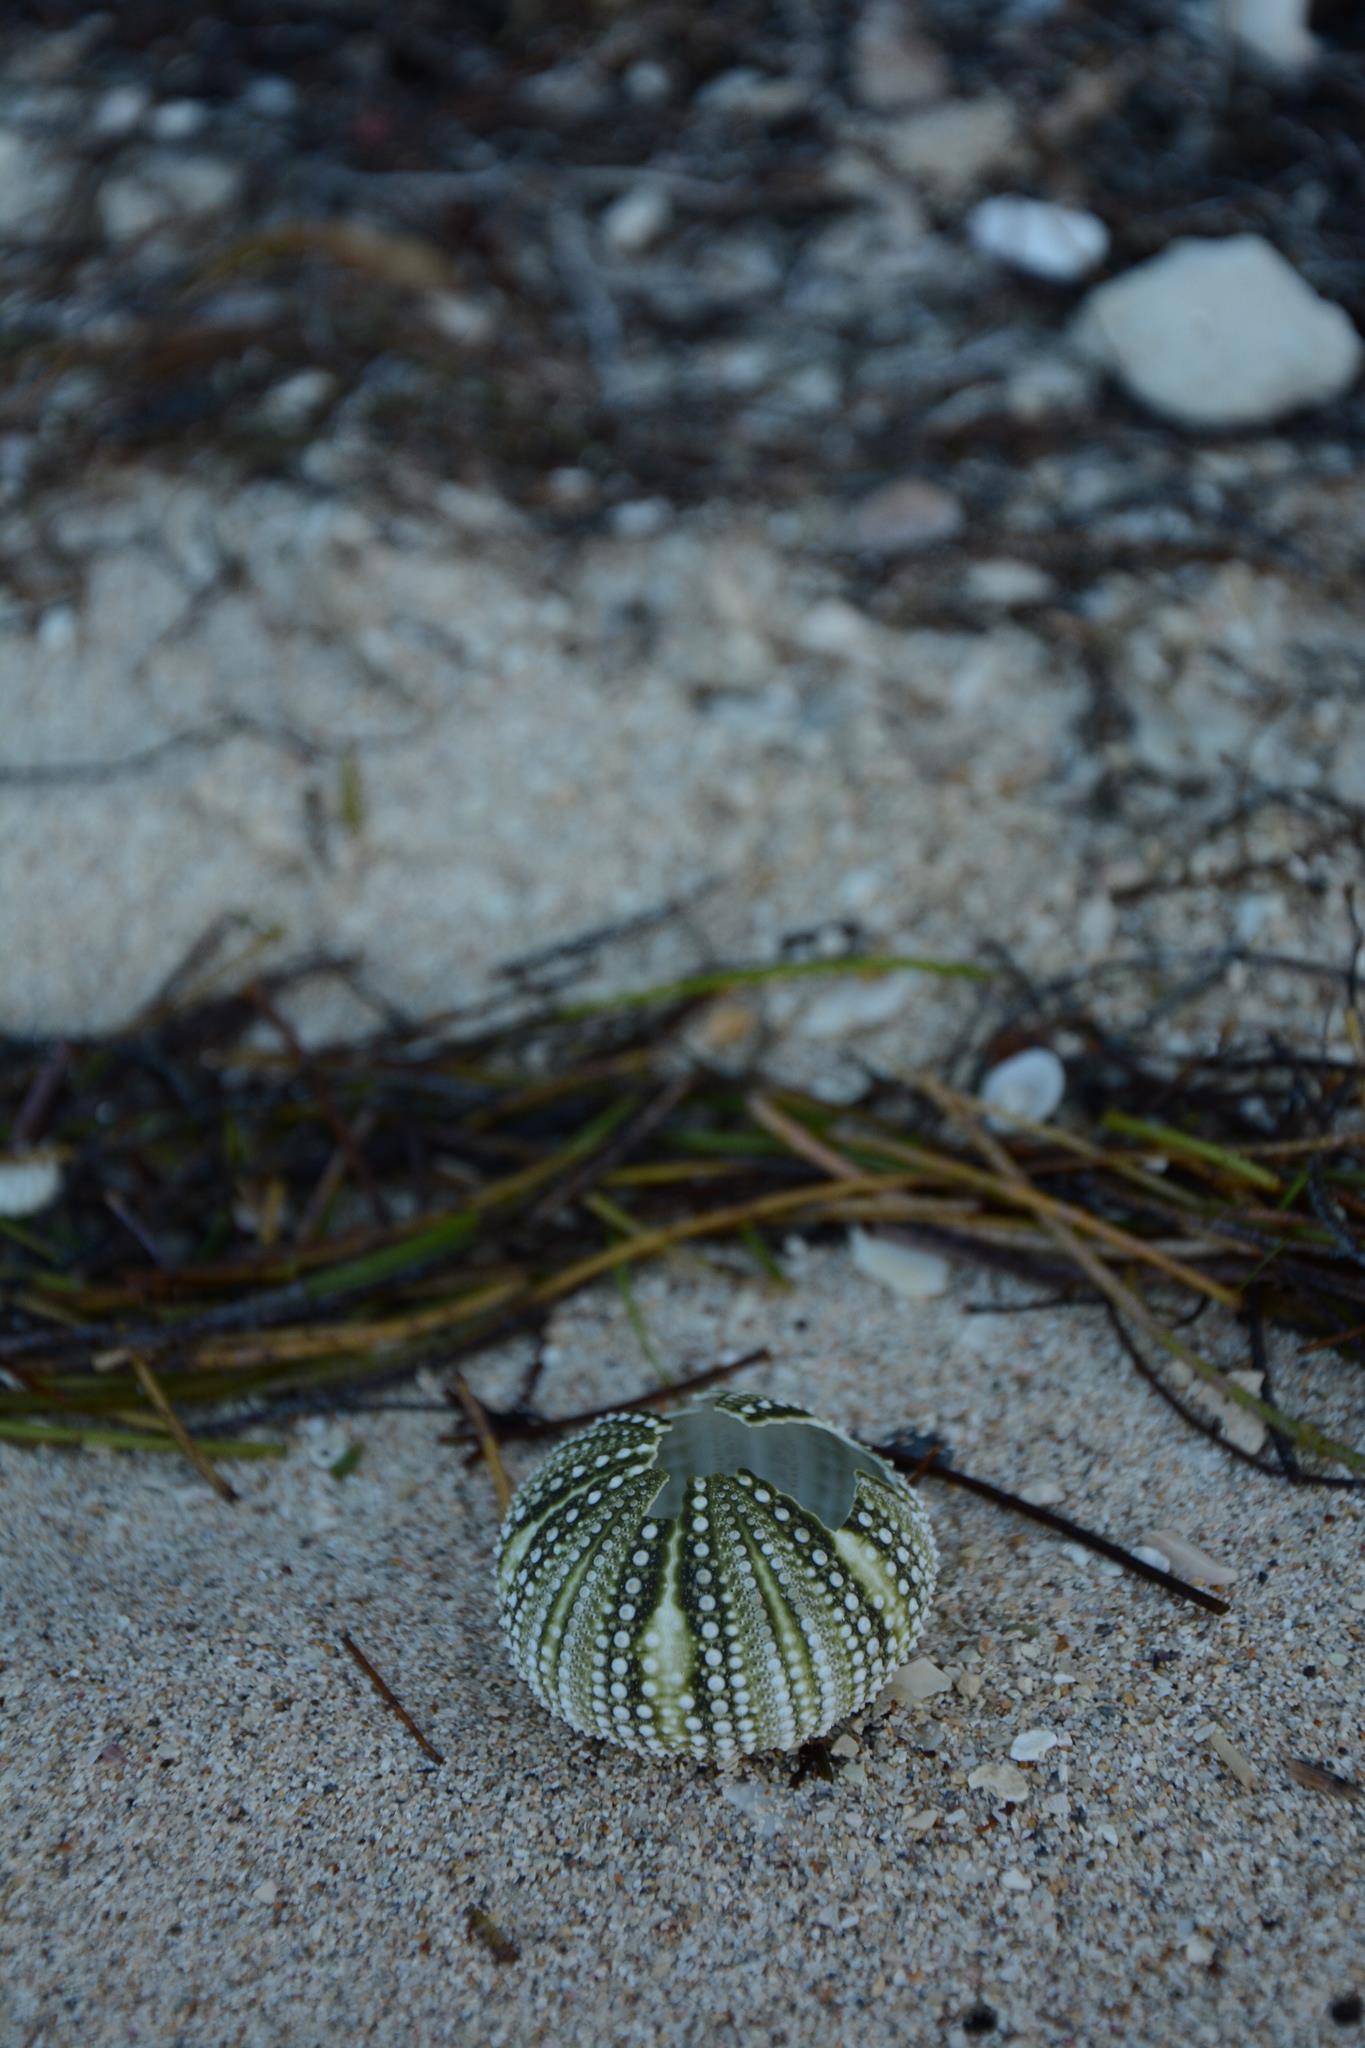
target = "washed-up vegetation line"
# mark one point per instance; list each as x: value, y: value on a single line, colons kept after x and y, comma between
x: 246, y: 1229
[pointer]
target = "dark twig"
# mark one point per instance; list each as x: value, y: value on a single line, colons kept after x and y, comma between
x: 917, y: 1462
x: 390, y: 1698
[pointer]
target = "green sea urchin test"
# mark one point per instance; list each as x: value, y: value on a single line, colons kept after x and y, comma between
x: 733, y: 1578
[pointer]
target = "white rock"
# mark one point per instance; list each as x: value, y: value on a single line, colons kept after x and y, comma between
x: 632, y: 223
x: 919, y: 1680
x: 913, y: 1274
x: 1032, y: 1744
x: 1002, y: 1780
x: 1275, y: 32
x: 1188, y: 1561
x: 951, y: 148
x: 921, y: 1822
x: 1220, y: 334
x: 1013, y: 1880
x: 1198, y: 1949
x: 1029, y: 1084
x: 1056, y: 242
x: 901, y: 518
x: 166, y: 190
x: 28, y: 1182
x: 893, y: 64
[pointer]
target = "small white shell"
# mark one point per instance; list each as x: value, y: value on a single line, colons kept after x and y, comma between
x: 1030, y: 1084
x: 28, y: 1182
x: 902, y: 1268
x: 1188, y: 1560
x: 1056, y: 242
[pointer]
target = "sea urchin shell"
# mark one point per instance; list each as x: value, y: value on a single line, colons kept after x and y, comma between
x: 733, y: 1578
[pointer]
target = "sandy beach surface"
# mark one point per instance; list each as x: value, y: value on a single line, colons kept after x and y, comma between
x: 1086, y: 689
x: 214, y: 1831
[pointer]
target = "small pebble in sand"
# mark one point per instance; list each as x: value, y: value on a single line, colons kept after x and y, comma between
x: 1013, y: 1880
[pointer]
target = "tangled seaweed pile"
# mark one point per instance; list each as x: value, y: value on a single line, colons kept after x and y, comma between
x: 247, y: 1229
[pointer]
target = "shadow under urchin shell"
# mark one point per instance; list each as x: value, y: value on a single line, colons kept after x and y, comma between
x: 735, y: 1578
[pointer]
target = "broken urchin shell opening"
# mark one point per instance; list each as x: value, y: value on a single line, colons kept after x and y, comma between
x: 734, y: 1578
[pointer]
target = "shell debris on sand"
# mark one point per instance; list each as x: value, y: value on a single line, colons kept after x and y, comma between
x: 901, y: 1268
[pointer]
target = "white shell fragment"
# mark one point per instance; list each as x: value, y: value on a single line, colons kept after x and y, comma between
x: 919, y: 1681
x: 1005, y: 1780
x: 915, y: 1275
x: 733, y: 1578
x: 1232, y: 1758
x: 1030, y: 1084
x: 29, y: 1181
x: 1187, y: 1560
x: 1056, y: 242
x: 1032, y: 1744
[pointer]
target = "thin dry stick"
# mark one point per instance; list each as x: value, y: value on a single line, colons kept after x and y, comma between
x: 151, y: 1387
x: 797, y: 1139
x: 488, y: 1443
x: 934, y: 1466
x: 390, y: 1698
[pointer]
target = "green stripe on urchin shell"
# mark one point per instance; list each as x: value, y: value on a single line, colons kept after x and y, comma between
x: 735, y: 1578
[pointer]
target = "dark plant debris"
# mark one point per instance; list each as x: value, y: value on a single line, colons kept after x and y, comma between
x: 428, y: 148
x: 315, y: 1225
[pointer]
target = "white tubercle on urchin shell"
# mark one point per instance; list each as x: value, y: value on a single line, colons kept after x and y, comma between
x: 733, y: 1578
